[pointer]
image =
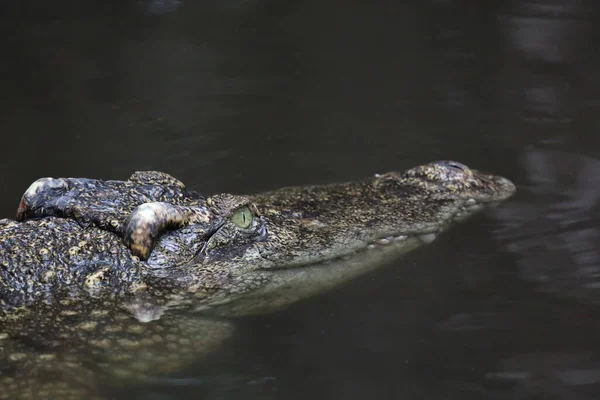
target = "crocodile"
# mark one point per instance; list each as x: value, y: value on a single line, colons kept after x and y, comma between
x: 96, y: 293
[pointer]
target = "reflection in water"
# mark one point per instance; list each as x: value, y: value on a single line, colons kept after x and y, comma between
x: 552, y: 226
x: 557, y: 244
x: 552, y: 229
x: 548, y: 40
x: 569, y: 376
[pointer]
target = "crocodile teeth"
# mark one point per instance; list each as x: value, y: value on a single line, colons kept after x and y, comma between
x: 427, y: 237
x: 383, y: 241
x: 400, y: 238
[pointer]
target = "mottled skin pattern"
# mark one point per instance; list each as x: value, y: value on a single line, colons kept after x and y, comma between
x: 105, y: 204
x: 76, y: 315
x: 139, y: 209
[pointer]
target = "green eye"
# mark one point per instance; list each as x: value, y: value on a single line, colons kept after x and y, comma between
x: 242, y: 217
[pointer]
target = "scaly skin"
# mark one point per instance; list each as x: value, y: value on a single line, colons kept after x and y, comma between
x: 73, y: 318
x: 139, y: 209
x: 105, y: 204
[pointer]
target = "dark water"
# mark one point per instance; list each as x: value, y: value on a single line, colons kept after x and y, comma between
x: 247, y: 95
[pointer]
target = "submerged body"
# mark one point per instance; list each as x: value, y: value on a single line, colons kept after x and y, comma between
x: 82, y: 298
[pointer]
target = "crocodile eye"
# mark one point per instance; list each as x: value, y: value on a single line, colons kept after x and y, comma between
x: 242, y: 217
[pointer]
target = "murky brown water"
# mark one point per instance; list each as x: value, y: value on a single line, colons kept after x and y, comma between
x: 244, y: 96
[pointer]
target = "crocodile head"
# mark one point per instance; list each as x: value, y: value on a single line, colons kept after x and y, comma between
x: 317, y: 236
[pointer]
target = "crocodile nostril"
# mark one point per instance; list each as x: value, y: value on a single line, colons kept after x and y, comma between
x: 455, y: 165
